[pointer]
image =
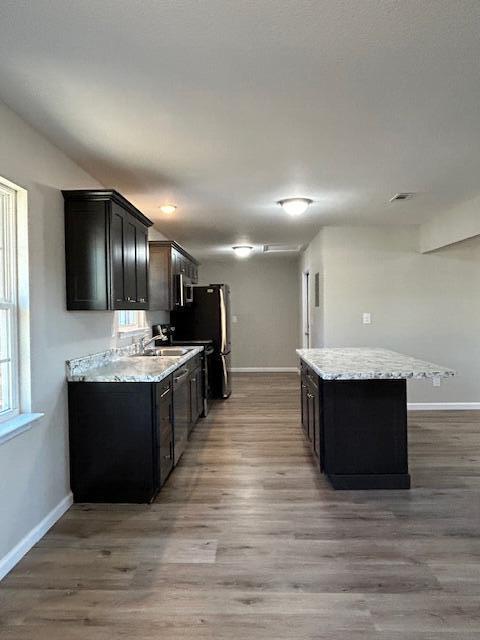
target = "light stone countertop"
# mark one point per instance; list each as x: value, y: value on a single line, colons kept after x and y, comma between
x: 363, y: 363
x: 133, y: 368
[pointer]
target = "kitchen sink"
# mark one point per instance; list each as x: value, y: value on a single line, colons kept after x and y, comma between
x: 165, y: 351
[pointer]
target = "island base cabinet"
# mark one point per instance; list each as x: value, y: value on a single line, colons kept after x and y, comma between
x: 365, y: 434
x: 311, y: 407
x: 357, y: 430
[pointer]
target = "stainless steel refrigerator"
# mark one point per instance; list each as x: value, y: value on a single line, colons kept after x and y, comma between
x: 208, y: 318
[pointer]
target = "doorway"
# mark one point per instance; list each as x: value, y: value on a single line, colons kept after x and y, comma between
x: 306, y: 310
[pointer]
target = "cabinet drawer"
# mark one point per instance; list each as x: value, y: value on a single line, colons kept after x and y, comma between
x: 165, y: 458
x: 164, y: 389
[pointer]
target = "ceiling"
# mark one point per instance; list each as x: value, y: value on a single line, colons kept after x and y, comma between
x: 225, y: 106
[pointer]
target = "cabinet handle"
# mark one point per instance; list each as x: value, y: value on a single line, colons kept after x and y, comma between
x: 182, y: 375
x: 165, y: 393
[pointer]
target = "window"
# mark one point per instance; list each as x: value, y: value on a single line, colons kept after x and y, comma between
x: 9, y: 392
x: 15, y: 381
x: 130, y: 321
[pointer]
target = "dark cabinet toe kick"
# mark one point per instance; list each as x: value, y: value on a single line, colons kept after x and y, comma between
x: 370, y: 481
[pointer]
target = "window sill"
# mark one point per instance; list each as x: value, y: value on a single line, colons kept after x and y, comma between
x: 17, y: 425
x: 125, y: 333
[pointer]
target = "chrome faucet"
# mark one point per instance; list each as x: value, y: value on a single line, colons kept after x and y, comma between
x: 146, y: 341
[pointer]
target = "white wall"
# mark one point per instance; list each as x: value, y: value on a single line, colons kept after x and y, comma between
x: 34, y: 474
x: 264, y: 293
x: 453, y: 226
x: 425, y: 305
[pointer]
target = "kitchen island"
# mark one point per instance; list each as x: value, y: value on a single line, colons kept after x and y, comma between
x: 354, y: 413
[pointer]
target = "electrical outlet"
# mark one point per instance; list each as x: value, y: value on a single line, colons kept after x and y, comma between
x: 367, y: 318
x: 436, y: 381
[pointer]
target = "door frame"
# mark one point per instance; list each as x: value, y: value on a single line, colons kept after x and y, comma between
x: 306, y: 311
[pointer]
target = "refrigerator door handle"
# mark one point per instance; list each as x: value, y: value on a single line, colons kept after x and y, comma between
x: 225, y: 377
x: 223, y: 323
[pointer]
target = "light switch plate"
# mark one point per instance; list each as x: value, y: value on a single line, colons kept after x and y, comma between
x: 234, y: 319
x: 367, y: 318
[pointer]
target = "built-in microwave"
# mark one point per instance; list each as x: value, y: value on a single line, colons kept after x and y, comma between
x: 184, y: 291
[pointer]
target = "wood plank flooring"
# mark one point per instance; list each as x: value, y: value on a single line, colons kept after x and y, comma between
x: 247, y: 541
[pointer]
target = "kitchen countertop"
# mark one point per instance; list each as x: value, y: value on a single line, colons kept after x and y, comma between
x: 362, y: 363
x: 133, y: 368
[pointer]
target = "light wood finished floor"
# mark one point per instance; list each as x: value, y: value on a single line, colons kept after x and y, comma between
x: 247, y: 542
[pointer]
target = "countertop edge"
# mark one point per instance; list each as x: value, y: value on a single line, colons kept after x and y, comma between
x: 374, y: 375
x: 87, y: 377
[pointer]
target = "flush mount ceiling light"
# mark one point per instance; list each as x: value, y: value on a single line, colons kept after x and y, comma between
x: 242, y: 250
x: 295, y: 206
x: 167, y: 208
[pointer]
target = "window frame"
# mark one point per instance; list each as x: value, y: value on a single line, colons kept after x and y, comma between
x: 9, y: 303
x: 127, y: 329
x: 13, y: 425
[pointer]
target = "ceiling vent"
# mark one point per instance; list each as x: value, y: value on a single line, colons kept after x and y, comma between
x: 402, y: 196
x: 278, y: 248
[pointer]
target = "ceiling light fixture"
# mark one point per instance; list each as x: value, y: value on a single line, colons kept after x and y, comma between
x: 167, y: 208
x: 242, y: 251
x: 295, y: 206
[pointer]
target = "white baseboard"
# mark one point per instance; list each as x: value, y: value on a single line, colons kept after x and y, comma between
x: 443, y: 406
x: 16, y: 554
x: 264, y: 370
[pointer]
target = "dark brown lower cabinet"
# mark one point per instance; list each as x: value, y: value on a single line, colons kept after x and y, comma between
x: 165, y: 430
x: 126, y: 437
x: 181, y: 411
x: 196, y: 395
x: 357, y: 430
x: 311, y: 415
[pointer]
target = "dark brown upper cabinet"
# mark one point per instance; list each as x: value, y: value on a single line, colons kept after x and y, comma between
x: 173, y: 271
x: 106, y: 251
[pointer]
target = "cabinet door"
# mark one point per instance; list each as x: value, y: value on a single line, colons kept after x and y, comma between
x: 86, y: 255
x: 112, y: 442
x: 159, y: 277
x: 164, y: 397
x: 312, y: 419
x: 130, y: 260
x: 176, y: 293
x: 141, y: 267
x: 199, y: 391
x: 193, y: 402
x: 315, y: 416
x: 181, y: 412
x: 304, y: 400
x: 195, y: 396
x: 117, y: 247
